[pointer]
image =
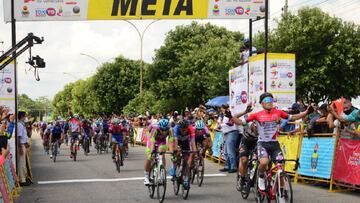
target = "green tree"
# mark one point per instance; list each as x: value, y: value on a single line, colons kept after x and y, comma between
x: 327, y: 53
x: 192, y: 66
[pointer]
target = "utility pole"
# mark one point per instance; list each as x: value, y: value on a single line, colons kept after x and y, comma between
x: 285, y: 9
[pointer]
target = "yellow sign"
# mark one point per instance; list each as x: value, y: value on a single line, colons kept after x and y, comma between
x: 290, y: 147
x: 147, y: 9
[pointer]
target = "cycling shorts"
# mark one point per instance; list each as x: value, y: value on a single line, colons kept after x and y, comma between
x: 118, y: 139
x: 200, y: 138
x: 246, y: 146
x: 55, y: 137
x: 272, y: 149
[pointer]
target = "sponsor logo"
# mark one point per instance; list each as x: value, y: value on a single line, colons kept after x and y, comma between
x: 28, y: 1
x: 51, y: 12
x: 76, y: 9
x: 40, y: 12
x: 71, y: 3
x: 238, y: 11
x: 25, y: 11
x: 290, y: 75
x: 8, y: 80
x: 244, y: 97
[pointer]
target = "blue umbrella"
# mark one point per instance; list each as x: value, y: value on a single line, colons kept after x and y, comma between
x: 218, y: 101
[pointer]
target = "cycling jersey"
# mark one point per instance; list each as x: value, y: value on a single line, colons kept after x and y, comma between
x: 185, y: 141
x: 201, y: 135
x: 74, y: 125
x: 158, y: 139
x: 268, y: 123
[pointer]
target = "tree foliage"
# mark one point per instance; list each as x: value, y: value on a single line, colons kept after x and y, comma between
x: 327, y: 53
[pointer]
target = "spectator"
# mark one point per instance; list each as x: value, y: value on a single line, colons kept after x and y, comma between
x: 353, y: 130
x: 231, y: 137
x: 23, y: 143
x: 322, y: 122
x: 291, y: 128
x: 350, y: 113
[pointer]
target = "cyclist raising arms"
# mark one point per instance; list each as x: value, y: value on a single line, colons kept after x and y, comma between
x: 75, y: 128
x: 157, y: 141
x: 268, y: 122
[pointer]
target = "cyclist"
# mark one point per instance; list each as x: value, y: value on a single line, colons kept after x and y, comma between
x: 116, y: 131
x: 86, y: 131
x: 56, y: 134
x: 267, y: 122
x: 46, y: 137
x: 98, y: 132
x: 125, y: 135
x: 157, y: 141
x: 202, y: 136
x: 185, y: 141
x: 105, y: 127
x: 247, y: 145
x: 75, y: 128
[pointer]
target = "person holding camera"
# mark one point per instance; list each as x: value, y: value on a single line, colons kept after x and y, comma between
x: 6, y: 129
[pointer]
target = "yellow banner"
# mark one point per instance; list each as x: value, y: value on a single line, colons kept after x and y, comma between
x: 290, y: 147
x: 147, y: 9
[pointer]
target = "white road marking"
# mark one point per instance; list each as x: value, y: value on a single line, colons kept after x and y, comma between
x: 110, y: 180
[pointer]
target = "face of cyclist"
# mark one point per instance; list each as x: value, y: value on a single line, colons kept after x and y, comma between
x: 267, y: 103
x: 164, y: 132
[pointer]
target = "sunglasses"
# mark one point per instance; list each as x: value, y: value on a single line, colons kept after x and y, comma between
x: 268, y: 100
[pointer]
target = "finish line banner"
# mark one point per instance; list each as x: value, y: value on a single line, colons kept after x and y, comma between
x: 82, y: 10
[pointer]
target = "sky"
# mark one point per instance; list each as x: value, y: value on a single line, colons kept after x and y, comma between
x: 66, y: 42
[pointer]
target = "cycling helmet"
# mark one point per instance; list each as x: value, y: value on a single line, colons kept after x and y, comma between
x: 264, y: 95
x: 199, y: 125
x: 116, y: 121
x: 123, y: 122
x: 164, y: 124
x: 97, y: 122
x: 184, y: 124
x: 76, y: 116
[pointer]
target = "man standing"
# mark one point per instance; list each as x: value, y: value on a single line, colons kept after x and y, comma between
x: 22, y: 143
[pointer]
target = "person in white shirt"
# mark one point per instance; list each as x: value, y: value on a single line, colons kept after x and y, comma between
x: 23, y: 143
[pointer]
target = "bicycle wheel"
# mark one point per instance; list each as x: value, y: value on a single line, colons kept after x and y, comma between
x: 194, y: 170
x: 75, y: 153
x: 117, y: 162
x: 161, y: 184
x: 151, y: 186
x: 238, y: 183
x: 185, y: 191
x: 55, y: 152
x: 285, y: 191
x: 177, y: 181
x: 259, y: 195
x: 201, y: 171
x: 98, y: 146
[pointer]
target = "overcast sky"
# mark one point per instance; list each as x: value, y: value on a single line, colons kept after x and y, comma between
x: 104, y: 40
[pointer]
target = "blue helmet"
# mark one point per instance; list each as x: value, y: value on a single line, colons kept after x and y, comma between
x: 164, y: 124
x: 199, y: 125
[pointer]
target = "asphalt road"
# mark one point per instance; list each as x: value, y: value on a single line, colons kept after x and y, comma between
x: 93, y: 179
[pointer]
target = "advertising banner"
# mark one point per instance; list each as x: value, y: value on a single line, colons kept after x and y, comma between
x: 238, y: 83
x: 316, y: 158
x: 7, y: 98
x: 347, y: 161
x: 82, y: 10
x: 289, y: 147
x: 256, y: 80
x: 217, y: 143
x: 281, y: 78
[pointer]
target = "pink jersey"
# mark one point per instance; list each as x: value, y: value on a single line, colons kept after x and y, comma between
x: 268, y: 123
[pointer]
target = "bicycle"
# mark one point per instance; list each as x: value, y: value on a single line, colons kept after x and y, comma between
x: 55, y: 149
x: 98, y: 143
x: 119, y: 159
x: 181, y: 169
x: 76, y: 147
x: 278, y: 186
x: 157, y: 176
x: 198, y: 167
x: 250, y: 177
x: 86, y: 145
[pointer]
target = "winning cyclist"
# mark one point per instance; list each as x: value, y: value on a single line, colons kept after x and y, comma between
x: 75, y: 128
x: 157, y: 141
x: 268, y: 121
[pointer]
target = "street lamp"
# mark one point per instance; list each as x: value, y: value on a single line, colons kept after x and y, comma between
x: 97, y: 61
x: 141, y: 35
